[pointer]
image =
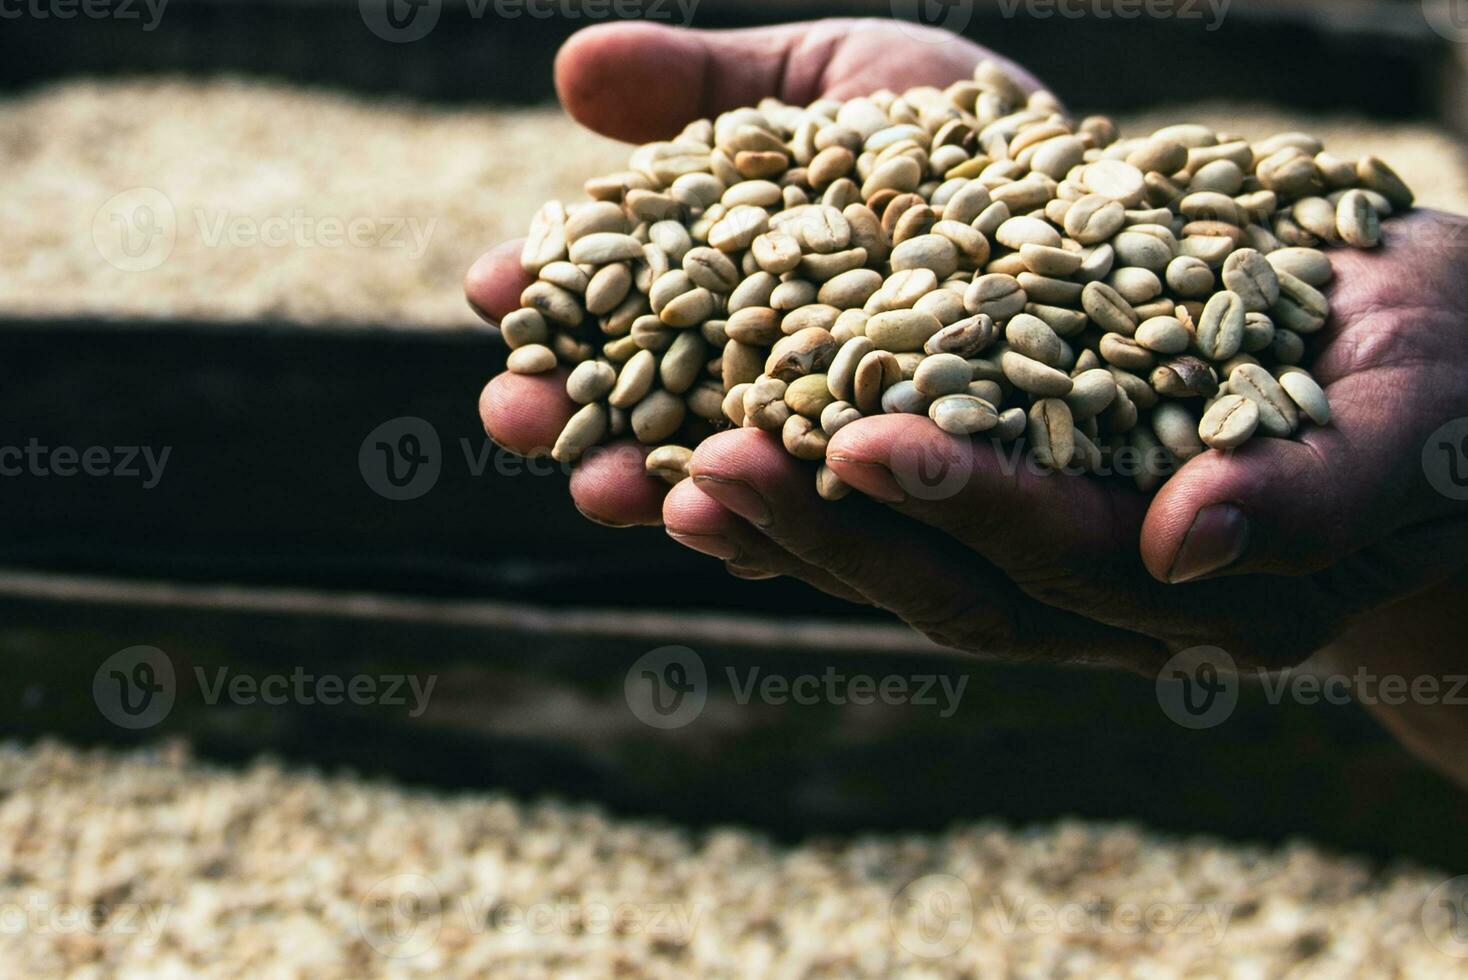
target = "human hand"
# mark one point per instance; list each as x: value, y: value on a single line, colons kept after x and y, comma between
x: 1299, y: 535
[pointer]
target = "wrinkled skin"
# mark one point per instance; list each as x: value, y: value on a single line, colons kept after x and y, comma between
x: 1296, y: 540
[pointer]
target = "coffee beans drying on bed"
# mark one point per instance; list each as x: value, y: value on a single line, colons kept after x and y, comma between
x: 970, y: 254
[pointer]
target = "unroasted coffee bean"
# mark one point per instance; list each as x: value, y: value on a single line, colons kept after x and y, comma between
x: 1221, y: 327
x: 963, y: 415
x: 1052, y: 433
x: 585, y: 429
x: 531, y: 359
x: 1185, y: 377
x: 972, y: 255
x: 669, y: 463
x: 1305, y: 392
x: 1229, y: 422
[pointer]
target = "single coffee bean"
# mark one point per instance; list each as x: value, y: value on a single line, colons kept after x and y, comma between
x: 1034, y: 338
x: 669, y: 463
x: 546, y: 242
x: 1125, y: 352
x: 590, y: 381
x: 1092, y: 392
x: 1306, y: 264
x: 1221, y: 328
x: 1189, y: 277
x: 1250, y: 276
x: 586, y: 428
x: 1185, y: 377
x: 1052, y: 433
x: 1300, y: 307
x: 836, y: 416
x: 1377, y: 176
x: 1109, y: 309
x: 601, y: 247
x: 803, y: 439
x: 942, y: 374
x: 524, y: 326
x: 841, y: 377
x: 807, y: 351
x: 903, y: 398
x: 1034, y: 377
x: 681, y: 365
x: 966, y: 337
x: 531, y: 359
x: 764, y: 404
x: 830, y: 486
x: 997, y: 296
x: 1163, y: 335
x: 877, y: 371
x: 849, y: 289
x: 1177, y: 429
x: 961, y: 414
x: 902, y: 330
x: 808, y: 395
x: 1305, y: 392
x: 1229, y: 422
x: 1357, y: 220
x: 1094, y: 219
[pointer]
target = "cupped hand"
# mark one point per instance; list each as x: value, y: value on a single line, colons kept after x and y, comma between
x: 1268, y: 551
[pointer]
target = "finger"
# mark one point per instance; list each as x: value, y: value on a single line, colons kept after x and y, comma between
x: 495, y: 281
x: 993, y: 499
x: 637, y: 81
x: 526, y: 412
x: 1068, y: 540
x: 611, y: 486
x: 698, y: 521
x: 1294, y: 506
x: 924, y: 577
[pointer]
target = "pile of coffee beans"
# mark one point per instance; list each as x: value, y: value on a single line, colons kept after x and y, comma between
x: 968, y: 253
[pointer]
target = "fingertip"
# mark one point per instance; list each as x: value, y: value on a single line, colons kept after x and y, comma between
x: 687, y: 510
x: 495, y: 281
x: 632, y: 81
x: 611, y: 486
x: 525, y: 413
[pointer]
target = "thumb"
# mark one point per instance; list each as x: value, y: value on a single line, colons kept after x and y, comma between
x: 1294, y: 507
x: 638, y: 81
